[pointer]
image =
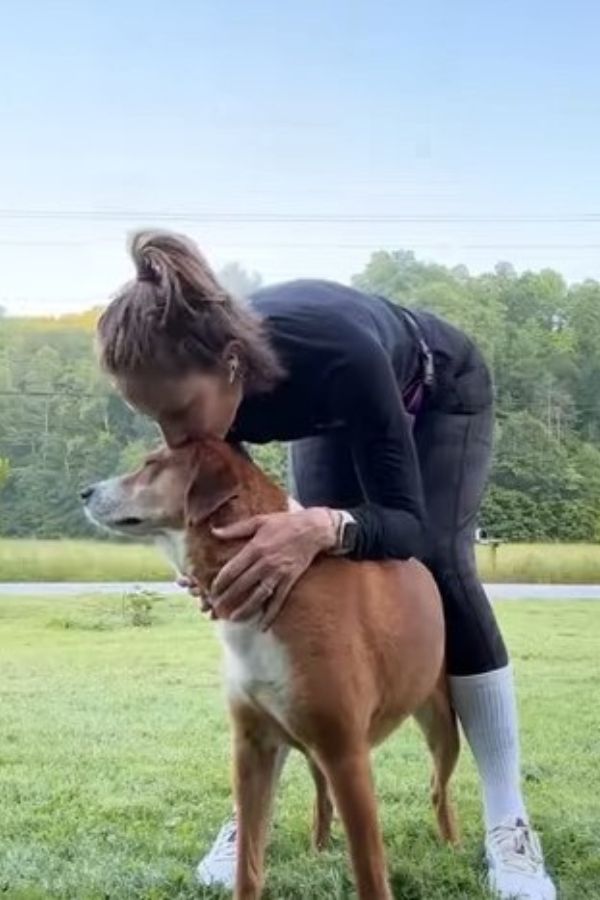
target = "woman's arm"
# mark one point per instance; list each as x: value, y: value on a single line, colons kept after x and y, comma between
x: 392, y: 521
x: 362, y: 391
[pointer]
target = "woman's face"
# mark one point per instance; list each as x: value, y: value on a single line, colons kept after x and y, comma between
x: 185, y: 408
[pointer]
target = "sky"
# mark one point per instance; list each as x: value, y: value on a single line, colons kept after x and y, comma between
x: 294, y: 137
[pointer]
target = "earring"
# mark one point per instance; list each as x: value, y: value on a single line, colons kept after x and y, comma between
x: 233, y: 369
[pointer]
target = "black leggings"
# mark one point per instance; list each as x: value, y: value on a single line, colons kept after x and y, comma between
x: 454, y: 450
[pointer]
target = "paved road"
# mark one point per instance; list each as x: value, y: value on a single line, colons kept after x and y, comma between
x: 495, y: 591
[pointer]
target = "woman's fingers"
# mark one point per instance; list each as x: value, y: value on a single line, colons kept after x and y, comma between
x: 247, y: 528
x: 190, y: 584
x: 255, y: 602
x: 276, y: 603
x: 226, y: 603
x: 232, y: 571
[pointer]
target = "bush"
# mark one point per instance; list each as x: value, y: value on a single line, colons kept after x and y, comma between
x: 138, y: 606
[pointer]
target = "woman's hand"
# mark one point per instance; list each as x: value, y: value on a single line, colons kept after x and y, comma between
x: 193, y: 588
x: 280, y: 549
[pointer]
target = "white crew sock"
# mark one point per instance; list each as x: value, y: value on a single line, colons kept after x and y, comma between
x: 487, y: 708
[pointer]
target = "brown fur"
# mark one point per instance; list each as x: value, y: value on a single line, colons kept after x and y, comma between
x: 366, y: 647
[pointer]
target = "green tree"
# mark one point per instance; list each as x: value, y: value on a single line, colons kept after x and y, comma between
x: 62, y: 426
x: 542, y: 339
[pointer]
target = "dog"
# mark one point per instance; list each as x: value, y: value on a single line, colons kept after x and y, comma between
x: 358, y: 647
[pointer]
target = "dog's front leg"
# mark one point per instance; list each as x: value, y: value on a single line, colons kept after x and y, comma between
x: 256, y: 756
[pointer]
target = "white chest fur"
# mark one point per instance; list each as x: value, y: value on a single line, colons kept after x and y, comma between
x: 172, y: 544
x: 256, y: 667
x: 256, y: 663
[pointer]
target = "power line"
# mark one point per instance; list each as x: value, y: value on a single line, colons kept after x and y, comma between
x: 320, y: 245
x: 249, y: 217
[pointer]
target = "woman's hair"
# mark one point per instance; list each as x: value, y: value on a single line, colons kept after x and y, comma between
x: 175, y: 317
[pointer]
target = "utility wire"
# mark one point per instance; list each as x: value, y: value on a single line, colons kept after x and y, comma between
x: 250, y: 217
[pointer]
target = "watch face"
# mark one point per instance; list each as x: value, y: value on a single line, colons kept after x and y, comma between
x: 349, y: 536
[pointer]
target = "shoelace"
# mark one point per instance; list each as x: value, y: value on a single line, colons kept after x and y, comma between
x: 225, y: 845
x: 518, y: 846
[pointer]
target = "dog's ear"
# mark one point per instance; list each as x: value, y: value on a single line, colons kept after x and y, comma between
x: 212, y: 484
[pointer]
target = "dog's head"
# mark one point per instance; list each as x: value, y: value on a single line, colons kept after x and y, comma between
x: 172, y: 490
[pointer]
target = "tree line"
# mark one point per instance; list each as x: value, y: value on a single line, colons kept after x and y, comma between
x: 62, y: 426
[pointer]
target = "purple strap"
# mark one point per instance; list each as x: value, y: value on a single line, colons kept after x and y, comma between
x: 413, y: 396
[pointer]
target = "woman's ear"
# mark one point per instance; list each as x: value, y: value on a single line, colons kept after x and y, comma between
x: 213, y: 483
x: 232, y: 360
x: 233, y: 367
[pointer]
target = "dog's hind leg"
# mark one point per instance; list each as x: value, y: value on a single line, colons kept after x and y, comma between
x: 323, y: 808
x: 438, y: 723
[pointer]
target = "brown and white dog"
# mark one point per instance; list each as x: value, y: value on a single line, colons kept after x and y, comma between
x: 357, y: 648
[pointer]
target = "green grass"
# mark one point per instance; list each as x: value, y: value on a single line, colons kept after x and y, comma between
x: 66, y: 560
x: 114, y: 755
x: 541, y: 563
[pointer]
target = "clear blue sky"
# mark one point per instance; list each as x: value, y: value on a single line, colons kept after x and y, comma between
x: 332, y: 109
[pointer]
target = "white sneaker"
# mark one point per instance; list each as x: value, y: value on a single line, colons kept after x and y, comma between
x: 217, y: 868
x: 516, y: 863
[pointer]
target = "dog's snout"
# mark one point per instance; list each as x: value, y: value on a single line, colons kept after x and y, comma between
x: 87, y: 492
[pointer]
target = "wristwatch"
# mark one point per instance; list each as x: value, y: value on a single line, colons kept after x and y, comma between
x: 347, y: 533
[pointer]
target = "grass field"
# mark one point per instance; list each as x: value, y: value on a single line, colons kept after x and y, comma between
x: 66, y: 560
x: 30, y: 560
x: 114, y: 761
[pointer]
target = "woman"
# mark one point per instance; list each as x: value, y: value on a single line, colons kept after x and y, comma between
x: 390, y: 416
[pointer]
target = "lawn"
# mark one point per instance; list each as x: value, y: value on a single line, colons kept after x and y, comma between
x: 114, y: 760
x: 69, y: 560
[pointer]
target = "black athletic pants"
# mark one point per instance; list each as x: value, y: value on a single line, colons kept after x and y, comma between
x: 453, y: 436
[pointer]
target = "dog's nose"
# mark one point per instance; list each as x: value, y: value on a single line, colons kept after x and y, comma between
x: 86, y: 493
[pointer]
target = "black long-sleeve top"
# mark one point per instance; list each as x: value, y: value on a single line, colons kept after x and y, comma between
x: 348, y: 357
